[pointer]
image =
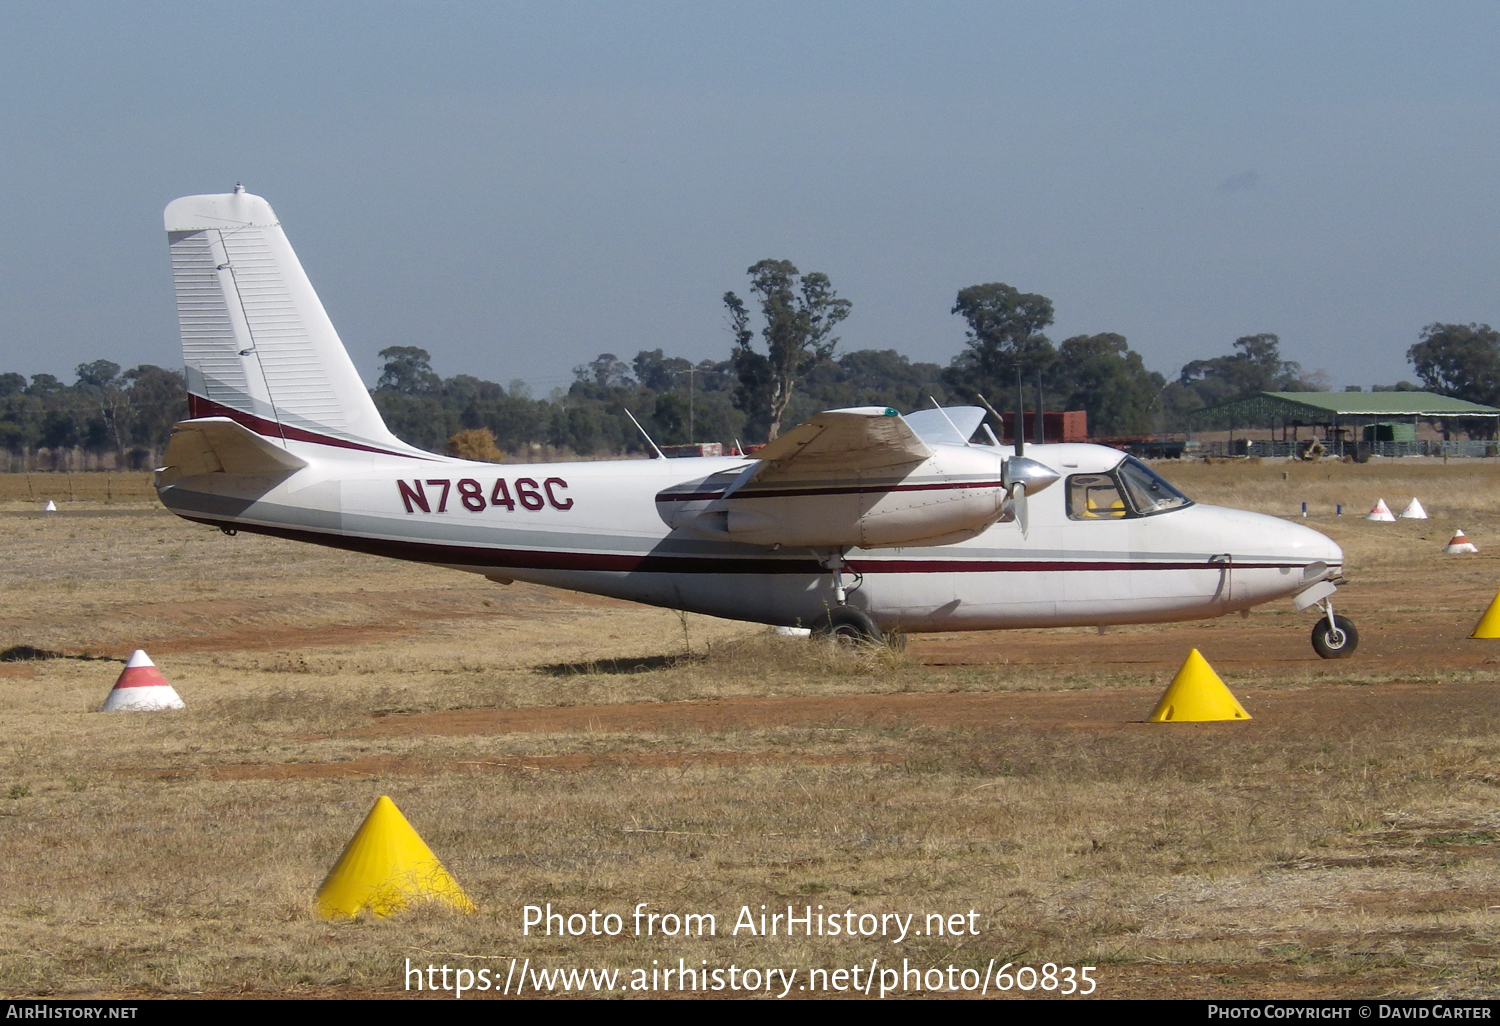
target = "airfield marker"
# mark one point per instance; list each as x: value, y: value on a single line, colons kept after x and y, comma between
x: 1460, y: 543
x: 1197, y: 695
x: 51, y: 507
x: 386, y: 867
x: 141, y: 688
x: 1414, y: 511
x: 1488, y: 627
x: 1381, y: 512
x: 1304, y: 509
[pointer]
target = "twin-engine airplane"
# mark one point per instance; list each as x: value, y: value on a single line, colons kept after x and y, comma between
x: 856, y: 523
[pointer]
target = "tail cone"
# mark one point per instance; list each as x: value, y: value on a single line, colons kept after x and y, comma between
x: 386, y: 867
x: 141, y: 688
x: 1488, y: 627
x: 1414, y: 511
x: 1197, y: 695
x: 1460, y: 543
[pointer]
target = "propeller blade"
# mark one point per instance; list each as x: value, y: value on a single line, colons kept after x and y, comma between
x: 1018, y: 503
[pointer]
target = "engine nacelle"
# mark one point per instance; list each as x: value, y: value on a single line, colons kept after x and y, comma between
x: 955, y: 494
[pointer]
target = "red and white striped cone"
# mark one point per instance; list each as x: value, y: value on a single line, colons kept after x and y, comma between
x: 141, y: 688
x: 1460, y: 544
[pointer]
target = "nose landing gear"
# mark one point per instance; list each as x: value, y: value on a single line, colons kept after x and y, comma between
x: 1334, y: 637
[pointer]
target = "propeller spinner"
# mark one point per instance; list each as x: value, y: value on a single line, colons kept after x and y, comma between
x: 1022, y: 476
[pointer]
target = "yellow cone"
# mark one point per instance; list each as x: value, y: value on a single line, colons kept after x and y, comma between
x: 386, y: 867
x: 1489, y: 624
x: 1197, y: 694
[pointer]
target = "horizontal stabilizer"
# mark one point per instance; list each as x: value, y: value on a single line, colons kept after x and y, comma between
x: 842, y: 441
x: 218, y: 445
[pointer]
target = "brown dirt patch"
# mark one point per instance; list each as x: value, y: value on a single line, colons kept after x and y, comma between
x: 1328, y: 706
x: 1232, y: 981
x: 367, y: 769
x: 1458, y: 900
x: 276, y: 639
x: 178, y: 628
x: 1403, y: 642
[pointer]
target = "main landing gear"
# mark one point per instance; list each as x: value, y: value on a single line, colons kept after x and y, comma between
x: 1334, y: 637
x: 835, y: 565
x: 844, y: 624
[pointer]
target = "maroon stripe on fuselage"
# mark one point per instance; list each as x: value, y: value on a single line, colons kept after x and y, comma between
x: 981, y: 566
x: 527, y: 559
x: 612, y: 562
x: 784, y: 493
x: 201, y: 407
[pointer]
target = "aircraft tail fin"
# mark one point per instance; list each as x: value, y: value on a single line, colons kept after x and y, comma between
x: 258, y: 345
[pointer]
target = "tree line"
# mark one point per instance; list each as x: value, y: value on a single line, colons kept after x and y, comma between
x: 123, y: 417
x: 783, y: 365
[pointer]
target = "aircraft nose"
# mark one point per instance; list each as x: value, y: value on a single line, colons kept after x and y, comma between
x: 1258, y: 538
x: 1298, y: 543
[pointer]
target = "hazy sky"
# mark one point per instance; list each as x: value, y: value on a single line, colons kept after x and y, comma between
x: 519, y: 187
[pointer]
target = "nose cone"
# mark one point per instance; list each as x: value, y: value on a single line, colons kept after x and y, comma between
x: 1257, y: 538
x: 1287, y: 540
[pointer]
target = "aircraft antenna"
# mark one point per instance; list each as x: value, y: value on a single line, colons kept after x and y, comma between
x: 1041, y: 436
x: 1020, y: 431
x: 949, y: 419
x: 993, y: 412
x: 649, y: 441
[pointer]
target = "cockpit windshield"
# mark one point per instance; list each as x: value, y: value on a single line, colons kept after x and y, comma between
x: 1148, y: 492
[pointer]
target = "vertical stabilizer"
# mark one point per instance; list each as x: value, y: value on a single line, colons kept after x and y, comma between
x: 258, y: 345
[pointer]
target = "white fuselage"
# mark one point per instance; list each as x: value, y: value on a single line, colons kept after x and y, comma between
x: 595, y: 527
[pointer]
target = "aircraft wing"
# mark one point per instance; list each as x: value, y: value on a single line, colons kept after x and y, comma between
x: 838, y: 442
x: 859, y: 477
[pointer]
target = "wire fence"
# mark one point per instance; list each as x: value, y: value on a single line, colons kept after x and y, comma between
x: 1357, y: 450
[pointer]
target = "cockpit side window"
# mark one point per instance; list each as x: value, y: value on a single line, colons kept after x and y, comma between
x: 1131, y: 490
x: 1095, y: 497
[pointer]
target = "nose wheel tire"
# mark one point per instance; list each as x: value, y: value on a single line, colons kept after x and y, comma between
x: 846, y: 625
x: 1336, y: 640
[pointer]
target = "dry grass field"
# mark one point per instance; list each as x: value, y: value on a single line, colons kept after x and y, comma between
x: 595, y: 755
